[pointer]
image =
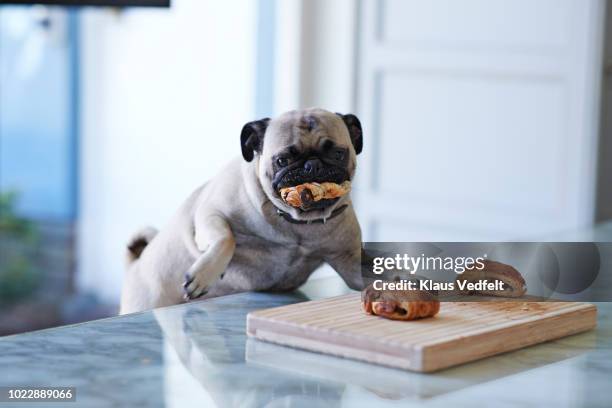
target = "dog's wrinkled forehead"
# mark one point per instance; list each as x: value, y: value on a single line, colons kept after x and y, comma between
x: 307, y: 127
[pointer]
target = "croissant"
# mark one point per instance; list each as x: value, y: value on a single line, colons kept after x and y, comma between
x: 399, y: 305
x: 514, y: 284
x: 296, y: 196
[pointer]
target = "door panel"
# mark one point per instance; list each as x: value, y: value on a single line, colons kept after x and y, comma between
x: 496, y: 112
x: 475, y: 23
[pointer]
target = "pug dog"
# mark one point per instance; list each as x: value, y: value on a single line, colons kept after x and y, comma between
x: 235, y: 233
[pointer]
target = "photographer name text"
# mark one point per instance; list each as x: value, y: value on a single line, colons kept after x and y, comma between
x: 429, y: 285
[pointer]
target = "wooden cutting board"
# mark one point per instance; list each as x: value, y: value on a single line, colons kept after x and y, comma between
x: 461, y: 332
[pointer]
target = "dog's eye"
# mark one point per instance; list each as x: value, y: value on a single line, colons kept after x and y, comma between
x: 282, y: 161
x: 339, y: 155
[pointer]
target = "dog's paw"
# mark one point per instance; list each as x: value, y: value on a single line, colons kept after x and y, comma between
x: 193, y: 287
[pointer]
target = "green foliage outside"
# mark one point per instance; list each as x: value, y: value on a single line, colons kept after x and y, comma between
x: 19, y: 275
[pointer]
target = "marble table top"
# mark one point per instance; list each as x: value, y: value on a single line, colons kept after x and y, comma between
x: 198, y: 354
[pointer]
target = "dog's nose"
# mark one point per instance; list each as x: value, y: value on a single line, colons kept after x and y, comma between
x: 313, y: 166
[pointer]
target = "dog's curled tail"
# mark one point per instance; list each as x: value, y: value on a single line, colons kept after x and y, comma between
x: 139, y: 242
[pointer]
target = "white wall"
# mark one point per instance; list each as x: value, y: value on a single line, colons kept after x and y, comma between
x: 315, y: 54
x: 164, y: 96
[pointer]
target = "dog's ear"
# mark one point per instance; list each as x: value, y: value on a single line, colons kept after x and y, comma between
x: 355, y: 132
x: 251, y: 138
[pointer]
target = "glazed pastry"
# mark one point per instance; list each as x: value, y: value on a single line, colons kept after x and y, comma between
x: 296, y: 196
x: 399, y: 305
x: 514, y: 284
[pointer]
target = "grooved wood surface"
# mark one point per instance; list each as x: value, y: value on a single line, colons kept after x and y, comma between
x: 461, y: 332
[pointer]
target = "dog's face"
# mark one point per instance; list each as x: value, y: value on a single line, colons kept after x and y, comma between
x: 311, y: 145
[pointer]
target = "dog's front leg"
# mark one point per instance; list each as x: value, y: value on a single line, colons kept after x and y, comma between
x: 215, y: 243
x: 348, y: 265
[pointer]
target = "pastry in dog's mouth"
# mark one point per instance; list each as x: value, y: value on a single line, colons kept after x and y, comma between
x: 308, y: 196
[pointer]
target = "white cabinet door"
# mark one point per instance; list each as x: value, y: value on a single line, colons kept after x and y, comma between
x: 480, y: 117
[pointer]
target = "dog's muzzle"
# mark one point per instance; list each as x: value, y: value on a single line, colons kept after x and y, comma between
x: 309, y: 171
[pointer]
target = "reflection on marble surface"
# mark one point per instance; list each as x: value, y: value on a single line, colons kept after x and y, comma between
x: 390, y: 383
x: 198, y: 355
